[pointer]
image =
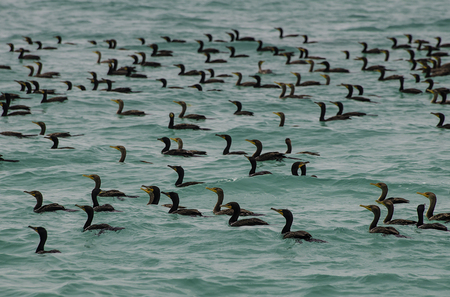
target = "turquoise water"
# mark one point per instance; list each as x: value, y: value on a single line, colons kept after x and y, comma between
x: 158, y: 254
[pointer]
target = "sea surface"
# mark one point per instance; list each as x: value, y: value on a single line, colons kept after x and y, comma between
x: 161, y: 254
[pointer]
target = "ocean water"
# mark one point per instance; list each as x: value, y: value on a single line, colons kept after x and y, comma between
x: 160, y: 254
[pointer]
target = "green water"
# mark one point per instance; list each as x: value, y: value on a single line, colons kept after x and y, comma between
x: 159, y: 254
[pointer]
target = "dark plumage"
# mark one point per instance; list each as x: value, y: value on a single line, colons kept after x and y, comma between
x: 239, y: 110
x: 430, y: 212
x: 333, y: 118
x: 252, y: 171
x: 441, y: 117
x: 384, y: 191
x: 39, y: 208
x: 175, y: 206
x: 234, y: 222
x: 182, y: 126
x: 132, y: 112
x: 388, y: 220
x: 287, y: 233
x: 88, y: 225
x: 179, y: 182
x: 373, y: 226
x: 421, y: 225
x: 43, y: 238
x: 226, y: 150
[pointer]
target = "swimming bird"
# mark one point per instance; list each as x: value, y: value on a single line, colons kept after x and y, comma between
x: 147, y: 63
x: 108, y: 193
x: 299, y: 165
x: 369, y: 51
x: 407, y: 91
x: 432, y: 217
x: 39, y: 208
x: 123, y: 152
x: 333, y: 118
x: 388, y: 220
x: 384, y: 191
x: 421, y: 225
x: 5, y: 160
x: 216, y: 61
x: 88, y: 225
x: 238, y: 38
x: 234, y: 222
x: 175, y: 206
x: 285, y: 36
x: 441, y: 117
x: 263, y: 71
x: 159, y: 53
x: 188, y: 116
x: 56, y: 143
x: 286, y: 231
x: 350, y: 114
x: 258, y: 83
x: 239, y: 110
x: 206, y: 50
x: 373, y: 226
x: 266, y: 156
x: 174, y: 152
x: 182, y: 126
x: 233, y: 53
x: 57, y: 134
x: 229, y: 212
x: 27, y: 57
x: 164, y: 84
x: 132, y: 112
x: 226, y: 150
x: 252, y: 171
x: 43, y: 238
x: 183, y: 70
x: 179, y: 182
x: 179, y: 141
x: 53, y: 99
x: 243, y: 84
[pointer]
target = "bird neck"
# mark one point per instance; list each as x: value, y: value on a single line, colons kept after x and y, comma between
x: 119, y: 111
x: 144, y: 56
x: 180, y: 172
x: 236, y: 213
x: 167, y: 145
x: 183, y: 111
x: 202, y: 74
x: 182, y: 69
x: 420, y: 217
x: 388, y: 217
x: 287, y: 227
x: 376, y: 217
x: 90, y: 214
x: 253, y: 164
x: 39, y: 201
x: 39, y: 69
x: 155, y: 195
x: 123, y: 155
x: 219, y: 201
x: 341, y: 109
x: 226, y: 150
x: 258, y: 150
x: 364, y: 64
x: 289, y: 147
x: 94, y: 195
x: 55, y: 142
x: 350, y: 92
x: 43, y: 239
x: 283, y: 91
x: 299, y: 77
x: 175, y: 202
x: 431, y: 207
x: 44, y: 96
x: 292, y: 91
x: 322, y: 113
x: 239, y: 81
x: 401, y: 84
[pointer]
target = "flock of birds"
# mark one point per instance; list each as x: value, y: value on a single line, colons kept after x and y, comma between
x: 431, y: 66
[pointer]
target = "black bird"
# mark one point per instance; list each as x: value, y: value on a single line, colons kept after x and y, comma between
x: 226, y: 150
x: 252, y: 171
x: 239, y: 110
x: 287, y: 233
x: 182, y: 126
x: 175, y: 206
x: 234, y: 222
x: 333, y: 118
x: 43, y: 238
x: 179, y: 182
x: 90, y: 213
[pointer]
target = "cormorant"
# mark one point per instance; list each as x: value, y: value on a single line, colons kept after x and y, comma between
x: 175, y: 206
x: 90, y: 213
x: 333, y: 118
x: 179, y: 182
x: 226, y: 150
x: 252, y: 171
x: 234, y: 222
x: 384, y: 191
x: 182, y: 125
x: 43, y: 238
x: 388, y: 220
x: 128, y: 112
x: 218, y: 211
x: 432, y: 217
x: 239, y: 110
